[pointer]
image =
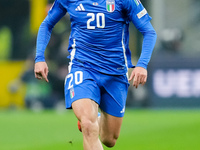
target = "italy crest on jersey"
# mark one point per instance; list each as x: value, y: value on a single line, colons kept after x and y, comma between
x: 110, y: 5
x: 72, y: 93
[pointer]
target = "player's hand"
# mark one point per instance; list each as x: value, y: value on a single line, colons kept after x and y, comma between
x: 41, y: 71
x: 139, y: 76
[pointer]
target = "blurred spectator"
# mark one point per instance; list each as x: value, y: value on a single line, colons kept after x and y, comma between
x: 171, y: 40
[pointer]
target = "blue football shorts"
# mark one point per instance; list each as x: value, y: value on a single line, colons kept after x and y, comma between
x: 108, y: 91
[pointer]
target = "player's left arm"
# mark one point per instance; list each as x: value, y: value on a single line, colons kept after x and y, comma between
x: 136, y: 13
x: 139, y: 74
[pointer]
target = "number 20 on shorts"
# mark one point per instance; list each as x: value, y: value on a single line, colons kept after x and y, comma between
x: 77, y: 76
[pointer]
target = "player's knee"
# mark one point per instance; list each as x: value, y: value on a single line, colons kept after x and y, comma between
x: 109, y: 142
x: 89, y: 128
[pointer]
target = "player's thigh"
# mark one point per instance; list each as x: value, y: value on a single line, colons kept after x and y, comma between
x: 85, y: 109
x: 114, y: 94
x: 110, y: 126
x: 80, y: 84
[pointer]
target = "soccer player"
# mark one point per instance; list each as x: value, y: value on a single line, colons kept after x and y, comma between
x: 100, y: 58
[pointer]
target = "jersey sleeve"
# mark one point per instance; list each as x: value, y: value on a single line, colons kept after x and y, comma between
x: 136, y: 12
x: 54, y: 15
x: 149, y: 40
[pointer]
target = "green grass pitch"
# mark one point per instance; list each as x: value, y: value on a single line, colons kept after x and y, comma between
x: 141, y: 130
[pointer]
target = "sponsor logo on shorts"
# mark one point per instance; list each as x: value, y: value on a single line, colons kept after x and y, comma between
x: 123, y: 110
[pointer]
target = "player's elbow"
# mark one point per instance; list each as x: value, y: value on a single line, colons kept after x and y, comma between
x: 151, y: 36
x: 47, y: 24
x: 151, y: 33
x: 148, y: 31
x: 154, y: 34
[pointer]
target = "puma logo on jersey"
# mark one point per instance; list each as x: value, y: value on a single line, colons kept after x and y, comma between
x: 80, y: 8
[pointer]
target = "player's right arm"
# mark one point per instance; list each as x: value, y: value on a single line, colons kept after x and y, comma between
x: 54, y: 15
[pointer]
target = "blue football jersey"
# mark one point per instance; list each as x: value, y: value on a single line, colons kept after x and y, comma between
x: 99, y: 31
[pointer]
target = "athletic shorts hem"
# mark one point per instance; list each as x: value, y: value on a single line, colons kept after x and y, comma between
x: 114, y: 114
x: 70, y: 107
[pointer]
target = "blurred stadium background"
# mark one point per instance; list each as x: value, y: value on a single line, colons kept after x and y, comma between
x: 162, y: 115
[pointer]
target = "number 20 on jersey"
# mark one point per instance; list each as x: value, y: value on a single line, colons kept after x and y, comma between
x: 99, y: 18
